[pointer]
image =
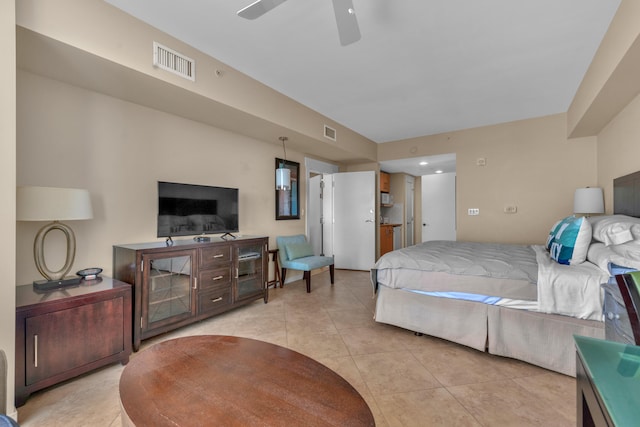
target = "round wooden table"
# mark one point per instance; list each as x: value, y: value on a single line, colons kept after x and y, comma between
x: 212, y: 380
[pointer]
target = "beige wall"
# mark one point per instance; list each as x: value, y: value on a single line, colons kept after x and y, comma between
x: 529, y: 163
x: 7, y: 192
x: 619, y: 149
x: 71, y: 137
x: 115, y: 51
x: 611, y: 81
x: 608, y: 99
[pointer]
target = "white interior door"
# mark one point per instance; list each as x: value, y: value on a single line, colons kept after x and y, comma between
x: 408, y: 213
x: 327, y: 214
x: 439, y: 207
x: 353, y: 219
x: 314, y: 213
x: 316, y: 225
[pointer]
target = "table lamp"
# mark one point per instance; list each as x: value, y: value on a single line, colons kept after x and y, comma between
x: 588, y: 200
x: 53, y: 204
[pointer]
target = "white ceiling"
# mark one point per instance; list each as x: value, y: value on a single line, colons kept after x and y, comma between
x: 422, y: 67
x: 418, y: 166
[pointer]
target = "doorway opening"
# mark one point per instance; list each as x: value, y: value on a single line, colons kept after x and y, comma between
x: 432, y: 207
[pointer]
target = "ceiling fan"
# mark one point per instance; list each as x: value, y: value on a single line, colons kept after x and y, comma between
x: 348, y: 29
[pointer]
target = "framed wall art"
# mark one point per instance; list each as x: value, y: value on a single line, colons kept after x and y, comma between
x: 288, y: 201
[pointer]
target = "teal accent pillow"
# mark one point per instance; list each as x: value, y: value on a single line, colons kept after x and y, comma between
x: 569, y: 240
x: 298, y: 250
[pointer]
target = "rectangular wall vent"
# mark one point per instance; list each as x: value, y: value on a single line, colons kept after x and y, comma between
x: 174, y: 62
x: 329, y: 133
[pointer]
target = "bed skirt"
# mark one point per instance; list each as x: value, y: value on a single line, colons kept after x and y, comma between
x: 545, y: 340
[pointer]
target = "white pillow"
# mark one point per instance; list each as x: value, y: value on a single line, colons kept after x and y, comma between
x: 615, y: 229
x: 625, y: 255
x: 600, y: 255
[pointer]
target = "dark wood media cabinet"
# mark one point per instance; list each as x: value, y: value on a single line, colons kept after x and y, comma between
x: 66, y: 332
x: 189, y: 281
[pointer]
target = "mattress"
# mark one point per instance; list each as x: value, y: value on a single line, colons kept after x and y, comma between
x: 496, y: 274
x: 514, y: 276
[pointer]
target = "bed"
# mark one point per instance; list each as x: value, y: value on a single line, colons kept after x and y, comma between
x: 523, y: 302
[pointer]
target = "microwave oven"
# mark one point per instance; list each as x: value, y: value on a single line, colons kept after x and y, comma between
x: 386, y: 199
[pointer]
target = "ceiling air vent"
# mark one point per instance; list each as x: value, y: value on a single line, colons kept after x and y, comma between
x: 329, y: 132
x: 174, y: 62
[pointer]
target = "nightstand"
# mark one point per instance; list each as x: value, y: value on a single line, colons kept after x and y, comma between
x: 62, y: 333
x: 617, y: 326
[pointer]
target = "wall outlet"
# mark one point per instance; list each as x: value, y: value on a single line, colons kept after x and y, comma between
x: 474, y: 211
x: 510, y: 209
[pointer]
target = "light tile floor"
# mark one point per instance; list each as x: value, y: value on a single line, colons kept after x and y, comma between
x: 406, y: 380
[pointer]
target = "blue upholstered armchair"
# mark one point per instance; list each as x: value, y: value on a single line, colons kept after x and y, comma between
x: 295, y: 253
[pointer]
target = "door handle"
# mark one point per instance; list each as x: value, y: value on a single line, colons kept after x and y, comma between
x: 35, y: 351
x: 369, y: 220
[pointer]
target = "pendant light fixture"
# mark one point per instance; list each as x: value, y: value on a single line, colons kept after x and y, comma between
x: 283, y: 175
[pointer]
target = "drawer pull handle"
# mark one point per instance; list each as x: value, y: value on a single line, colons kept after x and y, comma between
x: 217, y: 278
x: 216, y: 299
x: 218, y: 255
x: 35, y: 351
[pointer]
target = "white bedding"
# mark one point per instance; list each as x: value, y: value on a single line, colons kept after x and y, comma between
x: 496, y: 260
x: 515, y: 276
x: 490, y: 269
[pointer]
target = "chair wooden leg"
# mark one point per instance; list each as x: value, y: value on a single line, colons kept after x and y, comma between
x: 278, y: 274
x: 307, y: 277
x: 283, y: 276
x: 331, y: 269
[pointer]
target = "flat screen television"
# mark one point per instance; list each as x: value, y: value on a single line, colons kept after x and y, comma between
x: 189, y: 210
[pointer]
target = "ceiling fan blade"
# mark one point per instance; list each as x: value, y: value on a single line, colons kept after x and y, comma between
x: 348, y: 29
x: 258, y: 8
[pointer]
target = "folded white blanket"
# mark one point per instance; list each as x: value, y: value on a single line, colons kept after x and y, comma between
x: 572, y: 290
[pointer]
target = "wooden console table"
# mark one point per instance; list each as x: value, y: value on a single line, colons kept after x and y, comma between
x: 233, y: 381
x: 188, y: 281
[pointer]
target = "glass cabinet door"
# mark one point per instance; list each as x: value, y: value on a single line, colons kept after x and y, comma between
x: 168, y: 294
x: 249, y: 270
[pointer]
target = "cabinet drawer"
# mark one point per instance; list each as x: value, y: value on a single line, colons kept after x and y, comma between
x: 214, y: 300
x: 616, y: 319
x: 214, y: 278
x: 214, y: 255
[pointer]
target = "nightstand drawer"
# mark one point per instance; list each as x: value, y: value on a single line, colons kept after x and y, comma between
x: 616, y: 319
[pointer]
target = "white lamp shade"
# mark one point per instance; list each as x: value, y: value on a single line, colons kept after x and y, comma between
x: 52, y: 204
x: 283, y: 179
x: 588, y: 201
